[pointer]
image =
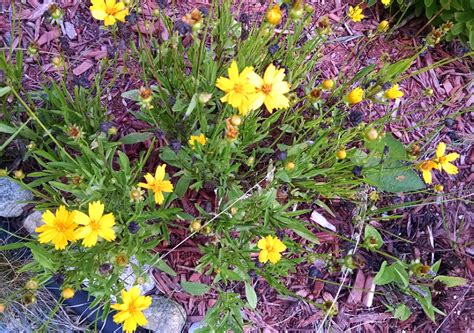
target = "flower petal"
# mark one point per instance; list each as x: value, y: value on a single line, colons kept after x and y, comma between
x: 81, y: 218
x: 263, y: 256
x: 452, y: 157
x: 233, y: 71
x: 449, y: 168
x: 160, y: 172
x: 441, y: 149
x: 98, y: 14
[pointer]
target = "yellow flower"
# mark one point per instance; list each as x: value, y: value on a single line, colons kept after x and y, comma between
x: 270, y: 89
x: 58, y: 229
x: 108, y: 11
x: 158, y: 184
x: 239, y: 91
x: 94, y: 225
x: 425, y: 168
x: 443, y: 161
x: 201, y: 139
x: 386, y: 3
x: 3, y: 172
x: 355, y: 13
x: 68, y: 293
x: 356, y: 96
x: 274, y: 15
x: 130, y: 311
x: 383, y: 26
x: 270, y: 249
x: 328, y: 84
x: 393, y: 92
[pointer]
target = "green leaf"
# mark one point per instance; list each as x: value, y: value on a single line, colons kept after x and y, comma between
x: 6, y: 129
x: 251, y: 295
x: 451, y: 281
x: 42, y: 256
x: 195, y: 288
x: 135, y: 138
x: 435, y: 267
x: 133, y: 95
x: 191, y: 106
x: 4, y: 91
x: 384, y: 276
x: 402, y: 312
x: 401, y: 274
x: 372, y: 233
x: 390, y: 71
x: 394, y: 178
x: 12, y: 246
x: 164, y: 267
x: 182, y: 186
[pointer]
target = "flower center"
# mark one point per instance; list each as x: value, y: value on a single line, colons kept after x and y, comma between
x: 267, y: 88
x: 60, y: 227
x: 111, y: 10
x: 425, y: 166
x: 238, y: 88
x: 442, y: 159
x: 94, y: 225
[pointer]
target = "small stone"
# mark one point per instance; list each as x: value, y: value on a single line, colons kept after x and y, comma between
x: 33, y: 221
x: 11, y: 197
x: 165, y: 316
x: 129, y: 277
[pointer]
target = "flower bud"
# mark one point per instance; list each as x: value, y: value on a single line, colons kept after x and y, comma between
x: 68, y: 293
x: 31, y: 284
x: 2, y: 308
x: 371, y: 134
x: 250, y: 161
x: 328, y: 84
x: 341, y: 154
x: 235, y: 120
x: 289, y: 166
x: 383, y: 26
x: 195, y: 226
x: 274, y: 15
x: 19, y: 174
x: 204, y: 98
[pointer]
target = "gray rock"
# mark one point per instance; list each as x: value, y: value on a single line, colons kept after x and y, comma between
x: 33, y: 221
x: 11, y: 195
x: 130, y: 279
x: 195, y: 326
x: 165, y: 316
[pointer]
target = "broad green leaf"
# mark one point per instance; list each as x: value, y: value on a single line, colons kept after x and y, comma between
x: 182, y: 186
x: 384, y: 275
x: 164, y: 267
x: 7, y: 129
x: 402, y: 312
x: 451, y: 281
x: 371, y: 233
x: 135, y: 138
x: 195, y: 288
x: 400, y: 273
x: 394, y: 177
x: 133, y: 95
x: 251, y: 295
x: 4, y: 91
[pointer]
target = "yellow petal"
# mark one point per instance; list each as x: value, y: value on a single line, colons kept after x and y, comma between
x: 90, y: 240
x: 452, y: 157
x: 107, y: 233
x: 449, y: 168
x: 274, y: 257
x: 224, y: 84
x: 279, y: 246
x: 108, y: 220
x: 129, y: 325
x: 82, y: 232
x: 143, y: 302
x: 110, y: 3
x: 96, y: 210
x: 159, y: 198
x: 121, y: 316
x: 269, y: 74
x: 258, y: 101
x: 149, y: 178
x: 262, y: 244
x: 109, y: 20
x: 139, y: 318
x: 441, y: 149
x: 263, y: 256
x: 281, y: 87
x: 255, y: 79
x: 98, y: 14
x: 81, y: 218
x: 121, y: 15
x: 166, y: 186
x: 233, y: 71
x: 49, y: 217
x: 427, y: 177
x: 160, y: 172
x: 145, y: 185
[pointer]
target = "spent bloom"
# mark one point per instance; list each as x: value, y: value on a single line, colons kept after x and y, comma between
x: 239, y: 91
x: 443, y: 161
x: 270, y: 89
x: 130, y: 311
x: 57, y: 228
x: 394, y: 92
x: 95, y: 225
x: 274, y: 15
x: 158, y: 184
x: 201, y: 139
x: 109, y: 11
x: 136, y: 194
x: 356, y: 96
x: 270, y: 247
x: 355, y: 13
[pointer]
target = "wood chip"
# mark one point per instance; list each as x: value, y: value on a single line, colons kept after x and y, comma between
x: 82, y: 68
x: 48, y: 37
x: 355, y: 296
x: 369, y: 295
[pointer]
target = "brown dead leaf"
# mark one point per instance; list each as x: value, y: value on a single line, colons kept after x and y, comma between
x: 82, y: 68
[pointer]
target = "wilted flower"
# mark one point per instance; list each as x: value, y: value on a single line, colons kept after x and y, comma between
x: 136, y: 194
x: 57, y: 61
x: 355, y: 13
x: 231, y: 131
x: 324, y: 25
x: 94, y: 226
x: 74, y: 132
x: 270, y: 247
x: 108, y: 11
x: 58, y: 229
x: 145, y: 98
x: 130, y: 311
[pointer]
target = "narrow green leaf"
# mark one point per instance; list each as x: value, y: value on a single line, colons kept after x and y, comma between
x: 4, y: 91
x: 195, y: 288
x: 251, y: 295
x: 451, y: 281
x: 135, y: 138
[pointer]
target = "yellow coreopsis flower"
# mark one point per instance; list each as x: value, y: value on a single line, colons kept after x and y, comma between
x: 270, y: 249
x: 270, y: 89
x: 58, y: 229
x: 394, y: 92
x: 158, y: 184
x: 109, y: 11
x: 386, y: 3
x: 239, y: 91
x: 201, y: 139
x: 356, y: 96
x: 95, y: 225
x: 425, y: 168
x: 130, y: 311
x: 355, y: 13
x: 443, y: 161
